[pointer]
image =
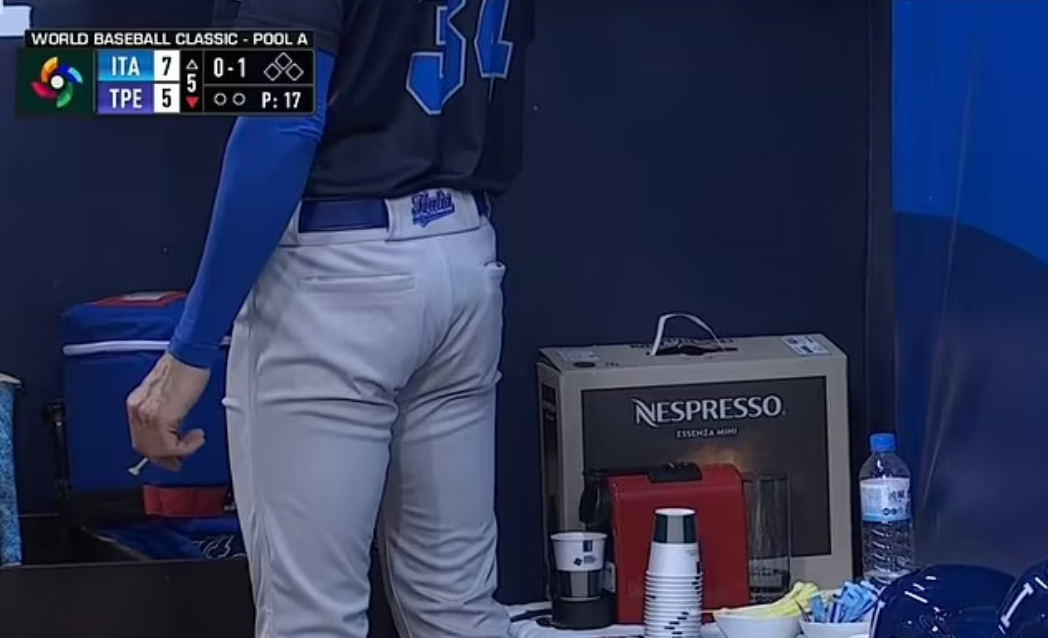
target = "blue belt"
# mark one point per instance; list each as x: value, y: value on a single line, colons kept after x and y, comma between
x: 358, y: 214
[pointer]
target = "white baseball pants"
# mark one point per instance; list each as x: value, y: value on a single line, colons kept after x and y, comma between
x: 362, y: 379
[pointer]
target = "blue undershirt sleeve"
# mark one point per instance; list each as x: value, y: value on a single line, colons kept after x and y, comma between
x: 264, y: 173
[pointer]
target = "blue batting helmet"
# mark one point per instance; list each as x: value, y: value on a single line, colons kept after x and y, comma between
x: 1024, y: 612
x: 942, y: 601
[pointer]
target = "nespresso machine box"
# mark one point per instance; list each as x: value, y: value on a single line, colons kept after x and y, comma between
x: 763, y: 404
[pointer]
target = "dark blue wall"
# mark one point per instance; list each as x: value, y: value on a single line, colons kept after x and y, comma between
x: 712, y: 156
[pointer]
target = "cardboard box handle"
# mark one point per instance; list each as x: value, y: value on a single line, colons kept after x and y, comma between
x: 660, y: 330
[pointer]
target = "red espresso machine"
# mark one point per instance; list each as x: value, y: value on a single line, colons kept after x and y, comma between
x: 622, y: 503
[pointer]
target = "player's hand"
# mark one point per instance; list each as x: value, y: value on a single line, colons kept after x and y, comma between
x: 157, y: 407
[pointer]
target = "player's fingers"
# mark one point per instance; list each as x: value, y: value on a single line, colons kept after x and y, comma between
x: 190, y: 442
x: 151, y: 442
x: 149, y: 435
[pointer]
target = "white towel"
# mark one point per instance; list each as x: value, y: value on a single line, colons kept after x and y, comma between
x: 530, y: 628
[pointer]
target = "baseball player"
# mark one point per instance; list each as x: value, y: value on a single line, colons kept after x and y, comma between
x: 358, y: 248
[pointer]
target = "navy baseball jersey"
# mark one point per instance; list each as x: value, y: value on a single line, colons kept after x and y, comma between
x: 426, y: 93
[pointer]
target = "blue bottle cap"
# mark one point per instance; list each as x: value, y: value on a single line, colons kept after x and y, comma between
x: 882, y: 442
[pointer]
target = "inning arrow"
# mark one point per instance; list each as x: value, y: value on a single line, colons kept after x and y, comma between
x: 192, y: 101
x: 192, y: 66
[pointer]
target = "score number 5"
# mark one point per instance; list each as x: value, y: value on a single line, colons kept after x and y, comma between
x: 435, y: 76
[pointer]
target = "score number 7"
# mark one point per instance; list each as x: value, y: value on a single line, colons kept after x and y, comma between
x: 435, y: 76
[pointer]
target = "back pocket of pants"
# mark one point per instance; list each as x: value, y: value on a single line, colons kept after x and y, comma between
x: 364, y: 285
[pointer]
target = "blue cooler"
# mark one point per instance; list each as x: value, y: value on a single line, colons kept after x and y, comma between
x: 109, y: 346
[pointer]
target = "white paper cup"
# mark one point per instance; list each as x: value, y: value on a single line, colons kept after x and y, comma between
x: 678, y: 584
x: 671, y: 614
x: 671, y: 625
x: 671, y: 617
x: 673, y: 595
x: 675, y: 525
x: 578, y: 551
x: 675, y: 617
x: 676, y: 559
x: 655, y: 590
x: 657, y: 631
x: 579, y: 565
x: 672, y: 578
x: 657, y: 606
x: 691, y: 592
x: 688, y: 627
x: 673, y: 584
x: 686, y: 590
x: 675, y: 614
x: 683, y: 607
x: 680, y: 612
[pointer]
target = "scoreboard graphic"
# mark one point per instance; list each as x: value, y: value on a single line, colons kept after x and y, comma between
x: 136, y: 73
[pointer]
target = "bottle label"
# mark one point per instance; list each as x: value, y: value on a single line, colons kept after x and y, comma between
x: 885, y: 500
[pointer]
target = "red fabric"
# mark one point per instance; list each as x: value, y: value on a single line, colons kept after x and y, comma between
x: 184, y: 502
x: 720, y: 508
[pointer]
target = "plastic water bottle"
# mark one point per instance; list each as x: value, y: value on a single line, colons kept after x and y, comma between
x: 887, y: 522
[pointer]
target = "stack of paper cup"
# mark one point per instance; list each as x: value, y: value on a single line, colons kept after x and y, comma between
x: 673, y: 586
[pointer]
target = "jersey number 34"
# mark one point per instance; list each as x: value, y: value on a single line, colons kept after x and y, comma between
x: 435, y: 76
